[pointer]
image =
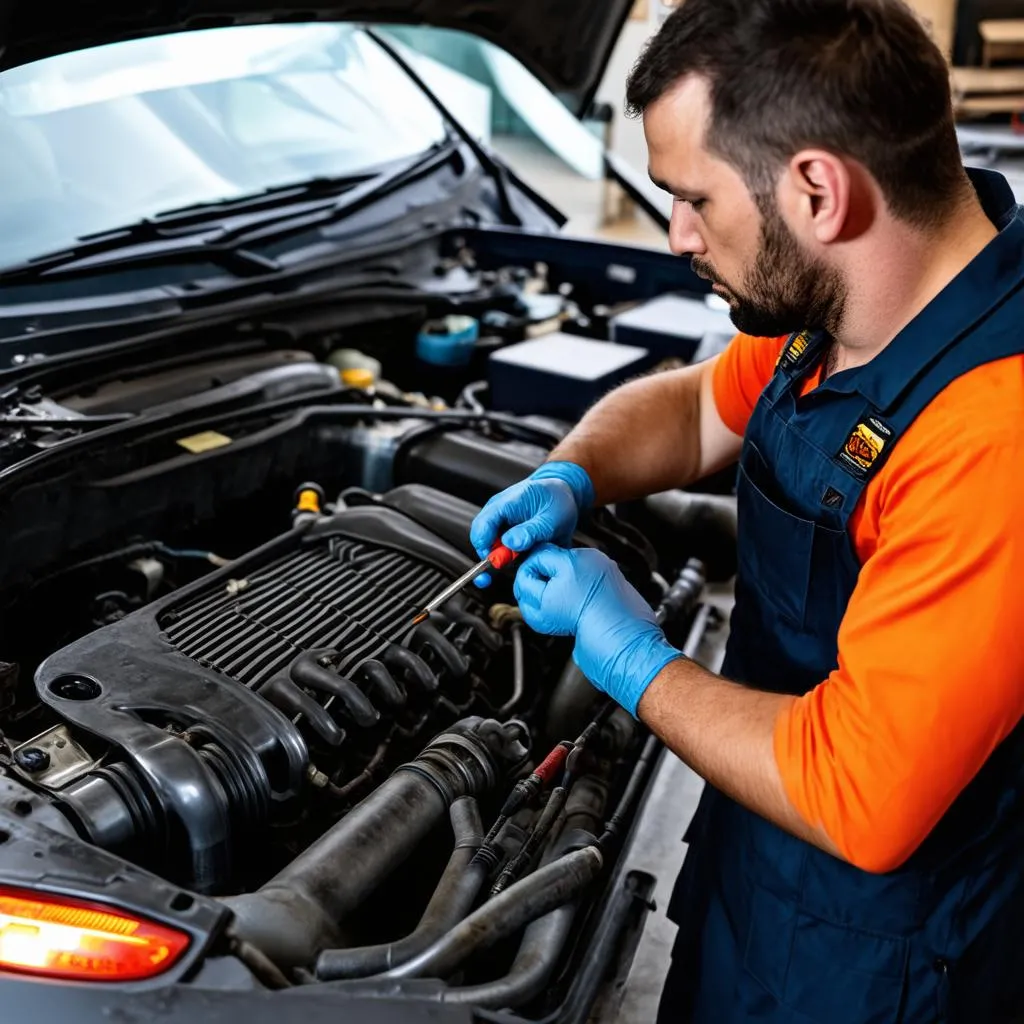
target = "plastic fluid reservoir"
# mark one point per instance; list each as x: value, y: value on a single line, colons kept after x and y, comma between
x: 356, y: 369
x: 448, y: 341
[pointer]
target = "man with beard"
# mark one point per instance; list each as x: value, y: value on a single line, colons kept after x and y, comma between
x: 859, y: 848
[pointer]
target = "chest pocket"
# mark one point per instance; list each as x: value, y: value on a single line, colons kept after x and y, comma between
x: 779, y: 551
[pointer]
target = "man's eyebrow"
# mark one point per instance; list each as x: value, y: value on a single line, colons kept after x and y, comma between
x: 681, y: 193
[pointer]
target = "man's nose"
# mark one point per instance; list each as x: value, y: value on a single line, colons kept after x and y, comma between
x: 684, y: 237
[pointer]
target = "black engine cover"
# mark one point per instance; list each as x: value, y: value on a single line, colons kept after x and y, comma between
x: 200, y: 696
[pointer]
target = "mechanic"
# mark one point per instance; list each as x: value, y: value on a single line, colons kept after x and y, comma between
x: 858, y: 851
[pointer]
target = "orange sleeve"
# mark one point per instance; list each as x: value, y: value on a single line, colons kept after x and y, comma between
x: 930, y: 677
x: 741, y: 373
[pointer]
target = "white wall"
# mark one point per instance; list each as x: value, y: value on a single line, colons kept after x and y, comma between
x: 628, y: 134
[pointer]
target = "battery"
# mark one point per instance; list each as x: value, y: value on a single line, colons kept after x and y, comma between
x: 560, y: 375
x: 670, y: 326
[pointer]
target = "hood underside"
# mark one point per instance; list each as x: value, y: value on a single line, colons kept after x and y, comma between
x: 565, y: 43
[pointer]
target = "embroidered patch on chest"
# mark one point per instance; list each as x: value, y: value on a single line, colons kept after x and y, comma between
x: 865, y: 443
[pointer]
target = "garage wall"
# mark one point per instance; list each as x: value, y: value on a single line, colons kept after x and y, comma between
x: 627, y: 134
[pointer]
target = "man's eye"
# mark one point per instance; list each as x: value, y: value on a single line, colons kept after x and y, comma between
x: 696, y: 204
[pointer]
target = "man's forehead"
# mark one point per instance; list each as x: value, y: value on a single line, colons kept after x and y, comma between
x: 675, y: 123
x: 676, y: 159
x: 687, y: 102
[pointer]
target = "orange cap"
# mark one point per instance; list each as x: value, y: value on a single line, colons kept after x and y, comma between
x: 358, y: 377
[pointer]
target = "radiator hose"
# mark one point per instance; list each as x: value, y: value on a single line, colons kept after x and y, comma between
x: 533, y: 897
x: 298, y: 913
x: 452, y: 900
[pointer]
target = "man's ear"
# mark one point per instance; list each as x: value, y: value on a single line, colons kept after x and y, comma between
x: 817, y: 192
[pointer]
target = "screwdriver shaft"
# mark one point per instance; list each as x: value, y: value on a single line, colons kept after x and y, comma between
x: 451, y: 590
x: 497, y: 559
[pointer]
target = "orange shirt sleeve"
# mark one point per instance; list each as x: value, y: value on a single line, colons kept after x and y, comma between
x: 741, y: 374
x: 931, y: 650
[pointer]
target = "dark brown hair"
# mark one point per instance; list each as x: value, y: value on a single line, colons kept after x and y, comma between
x: 860, y: 78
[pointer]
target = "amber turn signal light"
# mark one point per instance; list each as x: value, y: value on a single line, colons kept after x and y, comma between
x: 60, y: 937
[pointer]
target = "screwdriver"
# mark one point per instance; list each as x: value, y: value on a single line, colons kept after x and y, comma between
x: 499, y: 557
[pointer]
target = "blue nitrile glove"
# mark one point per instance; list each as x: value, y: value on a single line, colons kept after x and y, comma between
x: 620, y: 647
x: 543, y: 507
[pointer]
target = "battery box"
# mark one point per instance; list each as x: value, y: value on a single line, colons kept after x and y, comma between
x: 561, y: 375
x: 670, y: 326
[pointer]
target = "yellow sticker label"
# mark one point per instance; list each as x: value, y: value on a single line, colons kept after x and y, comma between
x: 794, y: 350
x: 207, y: 441
x: 864, y: 446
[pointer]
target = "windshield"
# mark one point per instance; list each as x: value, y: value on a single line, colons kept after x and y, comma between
x: 104, y: 137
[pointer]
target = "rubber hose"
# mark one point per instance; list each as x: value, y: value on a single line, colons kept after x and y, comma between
x: 452, y: 900
x: 534, y: 963
x: 530, y: 898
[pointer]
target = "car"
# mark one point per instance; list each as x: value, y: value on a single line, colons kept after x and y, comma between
x: 274, y: 324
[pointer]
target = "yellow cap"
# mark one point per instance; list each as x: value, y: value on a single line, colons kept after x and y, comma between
x: 358, y: 377
x: 309, y: 501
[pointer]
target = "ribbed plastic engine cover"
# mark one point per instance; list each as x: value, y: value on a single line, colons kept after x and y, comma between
x: 339, y: 594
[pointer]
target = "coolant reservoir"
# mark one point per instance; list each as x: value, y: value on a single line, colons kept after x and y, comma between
x: 356, y: 369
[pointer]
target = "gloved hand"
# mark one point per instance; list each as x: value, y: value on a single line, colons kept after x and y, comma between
x: 620, y: 647
x: 543, y: 507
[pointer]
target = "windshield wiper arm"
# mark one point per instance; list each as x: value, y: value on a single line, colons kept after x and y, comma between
x: 198, y: 214
x: 139, y: 243
x: 217, y: 236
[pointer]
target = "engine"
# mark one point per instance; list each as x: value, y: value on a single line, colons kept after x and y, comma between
x: 361, y: 796
x: 292, y: 668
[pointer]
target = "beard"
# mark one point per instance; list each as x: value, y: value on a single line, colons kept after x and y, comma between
x: 786, y: 290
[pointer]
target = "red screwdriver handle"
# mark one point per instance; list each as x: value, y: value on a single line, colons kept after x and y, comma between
x: 501, y: 556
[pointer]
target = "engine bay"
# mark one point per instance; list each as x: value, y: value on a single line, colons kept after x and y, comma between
x: 211, y: 683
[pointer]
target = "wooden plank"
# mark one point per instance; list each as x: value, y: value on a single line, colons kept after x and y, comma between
x: 1002, y: 30
x: 1008, y: 104
x: 969, y: 81
x: 1001, y: 39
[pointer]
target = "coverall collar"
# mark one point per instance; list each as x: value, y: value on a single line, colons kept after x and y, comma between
x: 985, y: 282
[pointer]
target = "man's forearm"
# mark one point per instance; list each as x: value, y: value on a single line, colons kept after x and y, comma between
x: 724, y: 732
x: 641, y: 439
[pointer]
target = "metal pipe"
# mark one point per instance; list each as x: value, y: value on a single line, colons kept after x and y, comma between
x: 637, y: 780
x: 364, y: 778
x: 518, y: 671
x: 697, y: 631
x: 452, y: 900
x: 530, y: 898
x: 630, y: 896
x: 298, y: 912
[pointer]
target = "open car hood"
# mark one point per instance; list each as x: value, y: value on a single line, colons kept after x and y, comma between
x: 566, y: 44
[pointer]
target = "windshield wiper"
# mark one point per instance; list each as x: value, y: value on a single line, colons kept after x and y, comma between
x: 216, y: 233
x: 199, y: 214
